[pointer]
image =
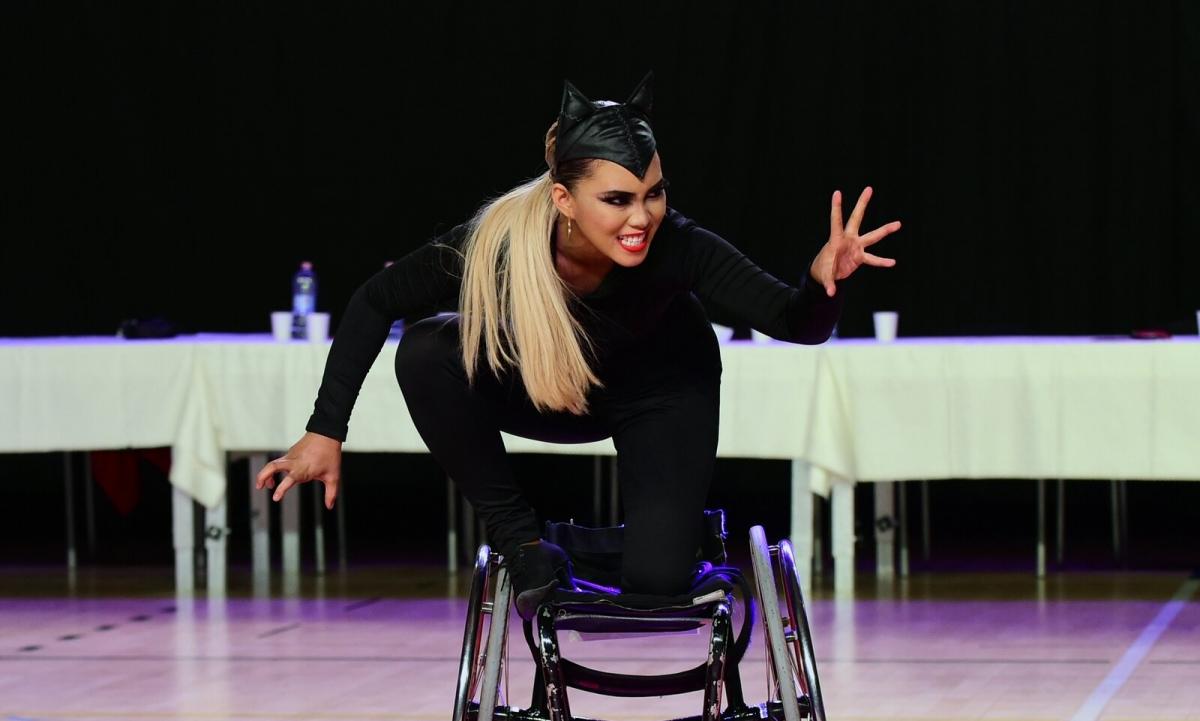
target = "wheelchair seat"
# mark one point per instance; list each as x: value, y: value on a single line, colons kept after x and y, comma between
x: 591, y: 608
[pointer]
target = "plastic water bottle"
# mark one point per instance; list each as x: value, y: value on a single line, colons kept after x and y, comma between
x: 304, y: 298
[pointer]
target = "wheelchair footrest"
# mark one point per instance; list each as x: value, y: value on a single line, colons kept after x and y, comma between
x: 711, y: 586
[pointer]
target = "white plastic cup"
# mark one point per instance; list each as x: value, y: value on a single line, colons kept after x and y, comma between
x: 317, y: 327
x: 886, y: 322
x: 281, y: 325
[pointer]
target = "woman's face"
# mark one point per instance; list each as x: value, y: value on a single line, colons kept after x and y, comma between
x: 614, y: 212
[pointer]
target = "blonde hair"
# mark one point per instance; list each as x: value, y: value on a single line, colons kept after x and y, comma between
x: 513, y: 305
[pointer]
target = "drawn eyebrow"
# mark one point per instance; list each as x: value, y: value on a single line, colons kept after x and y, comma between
x: 660, y: 185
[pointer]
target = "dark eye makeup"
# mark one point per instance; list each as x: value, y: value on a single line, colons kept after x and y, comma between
x: 621, y: 197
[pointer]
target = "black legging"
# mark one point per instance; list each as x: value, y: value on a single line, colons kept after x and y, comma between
x: 663, y: 422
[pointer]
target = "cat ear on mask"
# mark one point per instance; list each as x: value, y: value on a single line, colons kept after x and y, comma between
x: 575, y: 108
x: 642, y: 96
x: 605, y: 130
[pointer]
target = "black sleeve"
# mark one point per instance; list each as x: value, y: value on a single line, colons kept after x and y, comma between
x: 728, y: 281
x: 418, y: 285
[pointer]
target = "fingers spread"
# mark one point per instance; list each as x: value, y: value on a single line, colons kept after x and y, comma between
x: 880, y: 233
x: 835, y: 215
x: 877, y: 261
x: 860, y: 209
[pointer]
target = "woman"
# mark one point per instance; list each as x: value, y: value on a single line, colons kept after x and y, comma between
x: 577, y: 320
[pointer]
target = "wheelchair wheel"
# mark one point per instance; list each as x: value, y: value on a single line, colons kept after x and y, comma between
x: 481, y: 671
x: 802, y: 645
x: 780, y: 662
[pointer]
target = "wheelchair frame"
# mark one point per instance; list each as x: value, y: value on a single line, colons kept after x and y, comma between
x: 792, y: 679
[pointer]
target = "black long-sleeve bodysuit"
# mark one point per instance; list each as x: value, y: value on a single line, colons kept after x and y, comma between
x: 654, y: 352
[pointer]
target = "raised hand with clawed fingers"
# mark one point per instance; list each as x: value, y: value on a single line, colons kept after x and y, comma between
x: 846, y: 250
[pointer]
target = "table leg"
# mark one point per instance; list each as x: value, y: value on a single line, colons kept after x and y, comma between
x: 818, y: 533
x: 183, y: 532
x: 1041, y: 528
x: 1061, y: 524
x: 902, y: 502
x: 318, y: 496
x: 89, y: 505
x: 1122, y: 485
x: 341, y: 532
x: 885, y: 530
x: 597, y: 485
x: 1115, y: 506
x: 215, y: 533
x: 69, y: 496
x: 842, y: 523
x: 614, y: 494
x: 468, y: 529
x: 260, y: 525
x: 802, y: 522
x: 289, y: 514
x: 925, y: 522
x: 451, y: 527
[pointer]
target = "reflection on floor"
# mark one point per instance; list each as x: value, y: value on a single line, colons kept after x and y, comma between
x: 383, y: 643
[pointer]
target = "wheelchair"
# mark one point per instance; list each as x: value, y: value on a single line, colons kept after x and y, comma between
x: 596, y: 606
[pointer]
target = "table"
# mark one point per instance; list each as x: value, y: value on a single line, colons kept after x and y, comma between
x: 844, y: 412
x: 210, y: 395
x: 1038, y: 408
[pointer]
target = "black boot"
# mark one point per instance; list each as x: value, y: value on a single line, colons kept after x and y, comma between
x: 536, y: 569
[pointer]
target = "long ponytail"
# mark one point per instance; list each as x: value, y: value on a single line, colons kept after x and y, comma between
x: 514, y: 306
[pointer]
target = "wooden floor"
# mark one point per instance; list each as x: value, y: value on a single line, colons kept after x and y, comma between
x: 382, y: 643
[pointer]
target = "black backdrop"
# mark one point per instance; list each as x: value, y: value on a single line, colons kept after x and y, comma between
x: 182, y: 158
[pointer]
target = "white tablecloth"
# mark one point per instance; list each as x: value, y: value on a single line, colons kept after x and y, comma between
x: 1008, y: 408
x: 259, y: 395
x: 857, y: 410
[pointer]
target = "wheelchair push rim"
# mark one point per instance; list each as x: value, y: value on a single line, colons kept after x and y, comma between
x: 798, y: 632
x: 482, y: 661
x: 495, y: 660
x: 783, y: 668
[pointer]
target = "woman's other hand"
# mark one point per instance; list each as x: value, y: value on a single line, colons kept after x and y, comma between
x: 846, y: 249
x: 314, y: 458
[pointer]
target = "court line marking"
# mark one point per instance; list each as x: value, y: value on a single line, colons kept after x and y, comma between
x: 1132, y: 658
x: 361, y: 604
x: 279, y: 630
